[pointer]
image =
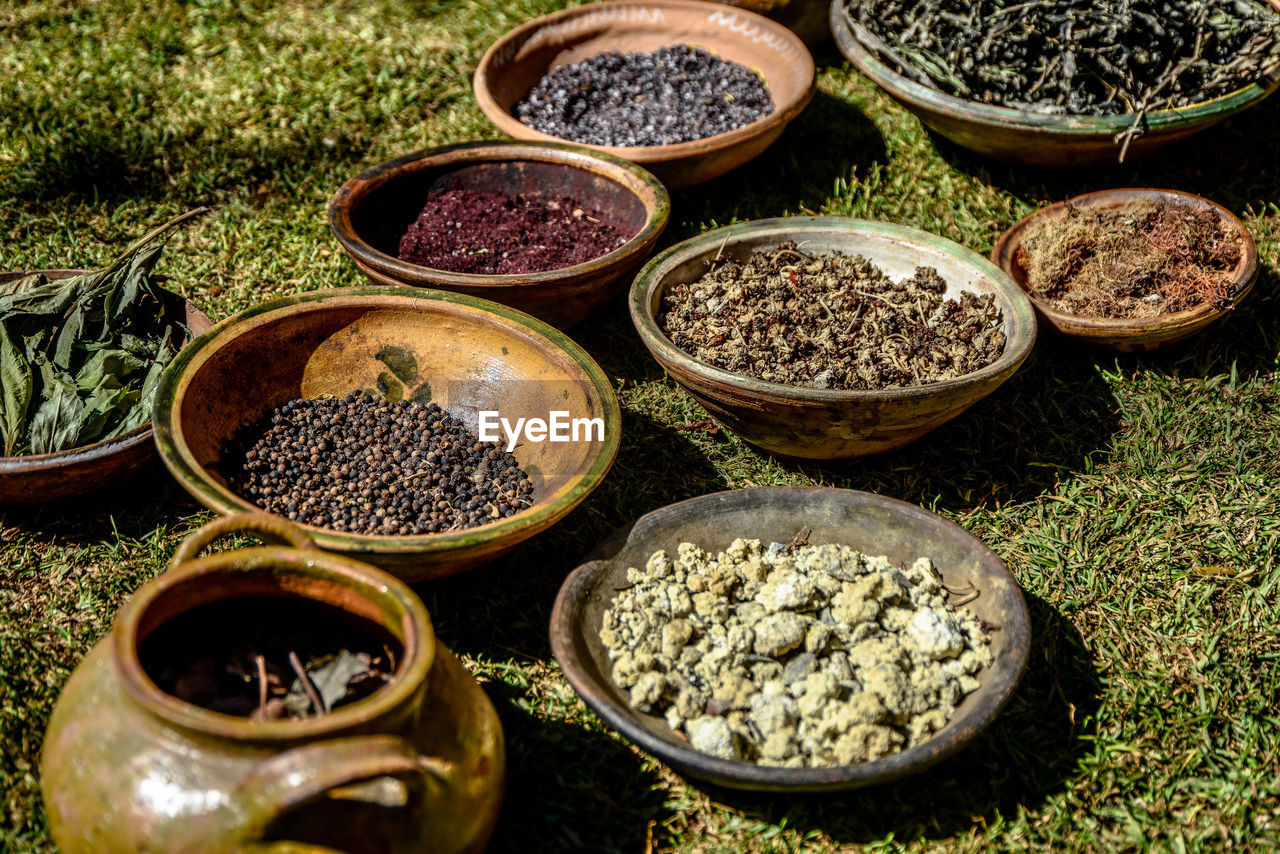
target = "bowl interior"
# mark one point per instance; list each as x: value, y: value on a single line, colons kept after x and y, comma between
x: 381, y: 215
x: 522, y: 58
x: 435, y: 347
x: 1006, y: 252
x: 869, y: 523
x: 896, y: 250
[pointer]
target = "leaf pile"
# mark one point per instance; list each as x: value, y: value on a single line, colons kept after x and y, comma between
x: 830, y: 321
x: 1083, y: 57
x: 81, y: 358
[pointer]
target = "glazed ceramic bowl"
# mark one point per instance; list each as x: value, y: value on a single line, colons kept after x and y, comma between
x: 48, y: 477
x: 869, y: 523
x: 1133, y: 335
x: 518, y: 60
x: 1031, y: 138
x: 465, y: 354
x: 828, y: 423
x: 370, y: 213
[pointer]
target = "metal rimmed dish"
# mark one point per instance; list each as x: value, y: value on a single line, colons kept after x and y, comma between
x: 473, y: 354
x: 518, y: 60
x: 869, y: 523
x: 1037, y: 139
x: 828, y: 423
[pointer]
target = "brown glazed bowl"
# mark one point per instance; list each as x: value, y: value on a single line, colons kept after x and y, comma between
x: 869, y: 523
x: 49, y: 477
x: 465, y: 354
x: 1135, y: 335
x: 370, y: 212
x: 828, y: 424
x: 518, y: 60
x: 1038, y: 139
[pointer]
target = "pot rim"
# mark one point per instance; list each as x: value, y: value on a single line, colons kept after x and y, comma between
x: 632, y: 177
x: 297, y: 573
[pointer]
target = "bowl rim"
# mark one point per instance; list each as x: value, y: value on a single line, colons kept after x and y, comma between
x: 633, y: 177
x: 31, y: 463
x: 1006, y: 246
x: 781, y: 115
x: 176, y: 455
x: 1016, y: 632
x: 648, y: 281
x: 1070, y: 124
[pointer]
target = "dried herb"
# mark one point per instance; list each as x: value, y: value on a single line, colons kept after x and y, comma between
x: 1082, y: 57
x: 81, y: 358
x: 266, y: 658
x: 830, y: 321
x: 1142, y: 260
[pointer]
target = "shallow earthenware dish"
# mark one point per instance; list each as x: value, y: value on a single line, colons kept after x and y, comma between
x: 518, y: 60
x: 1131, y: 335
x: 1037, y: 139
x: 869, y: 523
x: 48, y: 477
x: 371, y: 212
x: 464, y: 353
x: 828, y: 423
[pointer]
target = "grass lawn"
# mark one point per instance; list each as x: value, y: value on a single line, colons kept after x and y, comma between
x: 1135, y: 499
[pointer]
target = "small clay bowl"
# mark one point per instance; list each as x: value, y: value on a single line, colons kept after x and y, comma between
x: 48, y: 477
x: 832, y: 424
x: 1032, y: 138
x: 370, y: 213
x: 518, y: 60
x: 469, y: 353
x: 1136, y: 335
x: 869, y: 523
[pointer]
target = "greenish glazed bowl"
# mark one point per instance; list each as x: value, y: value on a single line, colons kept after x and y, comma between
x: 370, y: 213
x: 1037, y: 139
x: 831, y: 424
x: 470, y: 353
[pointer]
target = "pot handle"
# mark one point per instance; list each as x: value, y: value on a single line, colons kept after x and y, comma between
x: 270, y: 529
x: 304, y: 774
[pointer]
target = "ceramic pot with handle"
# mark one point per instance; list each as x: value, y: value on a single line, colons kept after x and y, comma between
x: 417, y: 766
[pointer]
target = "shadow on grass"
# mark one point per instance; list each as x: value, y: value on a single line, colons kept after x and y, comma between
x: 1028, y: 755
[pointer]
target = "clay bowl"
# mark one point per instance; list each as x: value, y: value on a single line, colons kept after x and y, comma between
x: 518, y: 60
x: 827, y: 423
x: 869, y: 523
x: 472, y: 354
x: 370, y: 212
x: 48, y: 477
x: 1031, y: 138
x: 1139, y: 334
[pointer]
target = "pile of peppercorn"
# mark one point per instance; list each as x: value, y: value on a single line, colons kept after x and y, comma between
x: 365, y: 465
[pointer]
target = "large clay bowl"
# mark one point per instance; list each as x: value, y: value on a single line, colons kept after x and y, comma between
x: 473, y: 354
x: 518, y: 60
x: 48, y: 477
x: 869, y: 523
x: 1138, y: 334
x: 370, y: 212
x: 1031, y: 138
x: 827, y: 423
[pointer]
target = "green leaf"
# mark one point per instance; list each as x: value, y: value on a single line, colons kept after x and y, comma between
x: 112, y: 367
x: 331, y: 679
x: 23, y: 284
x: 16, y: 387
x: 105, y: 407
x: 58, y: 420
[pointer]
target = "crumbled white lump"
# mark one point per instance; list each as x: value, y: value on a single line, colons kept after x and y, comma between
x: 793, y: 656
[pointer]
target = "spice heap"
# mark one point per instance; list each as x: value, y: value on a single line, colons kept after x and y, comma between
x: 81, y: 358
x: 830, y: 321
x: 1091, y: 57
x: 676, y: 94
x: 1142, y: 260
x: 365, y: 465
x: 267, y: 658
x: 477, y: 231
x: 793, y: 655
